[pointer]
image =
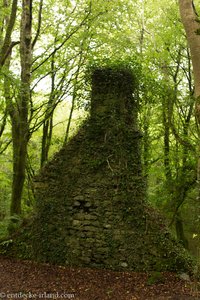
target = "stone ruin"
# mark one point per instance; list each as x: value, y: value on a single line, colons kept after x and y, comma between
x: 91, y: 207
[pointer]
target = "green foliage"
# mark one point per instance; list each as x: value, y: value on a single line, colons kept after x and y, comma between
x: 3, y: 229
x: 15, y: 222
x: 155, y: 278
x: 18, y: 244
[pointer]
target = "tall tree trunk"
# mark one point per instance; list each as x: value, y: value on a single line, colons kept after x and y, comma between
x: 191, y: 22
x: 75, y: 89
x: 180, y: 230
x: 146, y: 138
x: 20, y: 126
x: 48, y: 122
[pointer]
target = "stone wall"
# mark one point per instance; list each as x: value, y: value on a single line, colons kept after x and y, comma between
x: 91, y: 198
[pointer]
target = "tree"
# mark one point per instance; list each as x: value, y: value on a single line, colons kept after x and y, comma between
x: 19, y: 113
x: 191, y: 22
x: 20, y: 105
x: 7, y: 23
x: 170, y: 146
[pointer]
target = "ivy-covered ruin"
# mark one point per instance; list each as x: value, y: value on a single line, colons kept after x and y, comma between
x: 91, y: 198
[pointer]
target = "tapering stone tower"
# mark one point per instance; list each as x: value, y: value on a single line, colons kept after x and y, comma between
x: 91, y: 207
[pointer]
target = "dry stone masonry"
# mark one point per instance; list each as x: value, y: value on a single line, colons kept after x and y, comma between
x: 91, y: 198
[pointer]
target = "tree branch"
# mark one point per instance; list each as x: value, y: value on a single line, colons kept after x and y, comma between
x: 6, y: 146
x: 181, y: 140
x: 63, y: 43
x: 8, y: 52
x: 2, y: 127
x: 7, y: 40
x: 39, y: 24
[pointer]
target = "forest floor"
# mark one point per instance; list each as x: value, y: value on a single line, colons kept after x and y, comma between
x: 29, y: 280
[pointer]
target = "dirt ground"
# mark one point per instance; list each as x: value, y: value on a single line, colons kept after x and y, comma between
x: 30, y: 280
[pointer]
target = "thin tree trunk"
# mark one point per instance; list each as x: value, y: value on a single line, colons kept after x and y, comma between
x: 70, y: 116
x: 48, y: 122
x: 167, y: 111
x: 146, y: 140
x: 46, y: 139
x: 180, y: 230
x: 20, y: 126
x: 81, y: 59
